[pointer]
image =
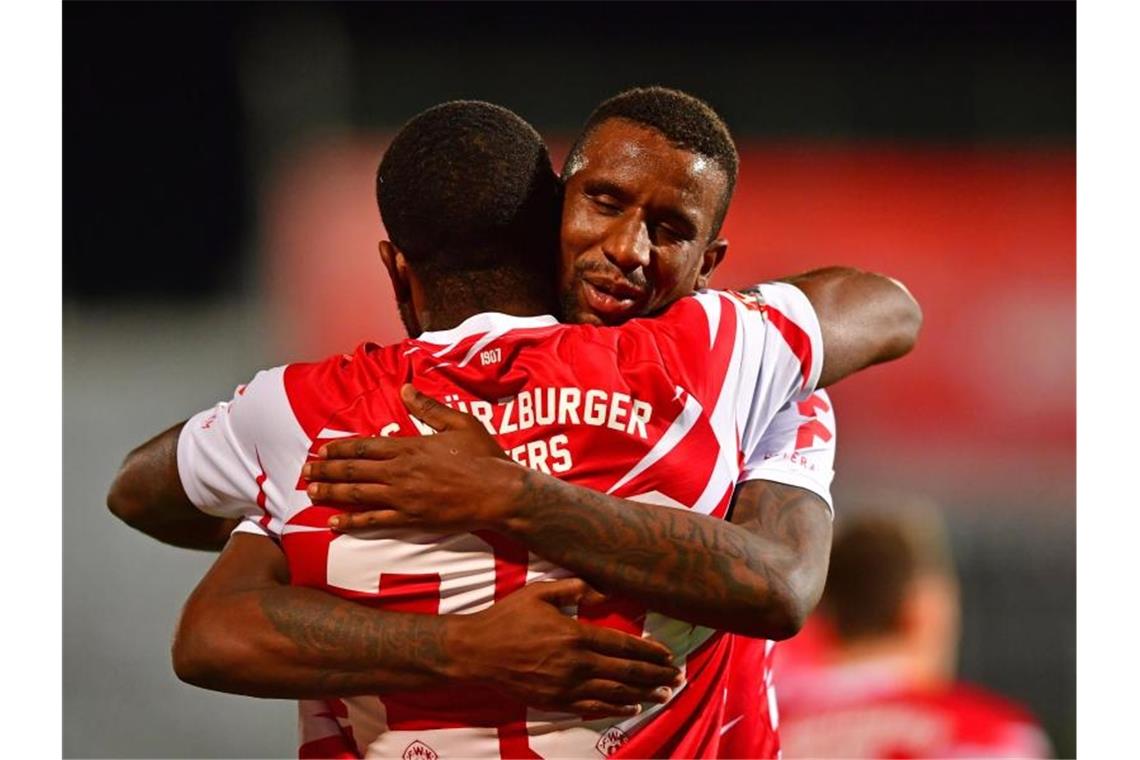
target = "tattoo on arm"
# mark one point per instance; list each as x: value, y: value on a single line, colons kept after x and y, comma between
x: 797, y: 523
x: 739, y: 576
x: 354, y: 649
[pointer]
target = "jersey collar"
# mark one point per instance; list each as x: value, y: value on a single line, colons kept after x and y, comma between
x: 488, y: 321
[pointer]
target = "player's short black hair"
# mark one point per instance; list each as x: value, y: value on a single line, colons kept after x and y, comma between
x: 468, y: 186
x: 686, y: 121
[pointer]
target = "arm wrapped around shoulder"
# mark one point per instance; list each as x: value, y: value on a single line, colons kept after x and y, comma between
x: 865, y: 318
x: 147, y: 494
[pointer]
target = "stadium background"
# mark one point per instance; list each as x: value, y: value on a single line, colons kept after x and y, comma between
x: 219, y: 217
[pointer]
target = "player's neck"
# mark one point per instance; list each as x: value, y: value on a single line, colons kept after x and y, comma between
x: 448, y: 317
x: 445, y: 304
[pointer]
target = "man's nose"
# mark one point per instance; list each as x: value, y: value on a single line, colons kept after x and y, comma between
x: 628, y: 245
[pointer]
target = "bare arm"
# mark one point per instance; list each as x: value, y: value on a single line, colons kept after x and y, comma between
x: 865, y: 318
x: 246, y: 630
x: 147, y: 494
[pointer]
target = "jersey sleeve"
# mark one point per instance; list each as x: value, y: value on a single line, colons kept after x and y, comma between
x: 797, y: 448
x: 794, y: 339
x: 224, y: 453
x: 744, y: 356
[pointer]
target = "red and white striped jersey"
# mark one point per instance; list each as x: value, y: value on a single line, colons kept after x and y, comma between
x: 666, y: 411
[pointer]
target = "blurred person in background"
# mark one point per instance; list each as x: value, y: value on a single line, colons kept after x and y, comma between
x: 874, y: 675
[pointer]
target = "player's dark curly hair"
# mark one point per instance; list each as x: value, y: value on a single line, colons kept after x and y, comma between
x: 686, y: 121
x: 468, y: 186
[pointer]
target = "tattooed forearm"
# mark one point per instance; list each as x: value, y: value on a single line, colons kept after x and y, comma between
x: 799, y: 522
x: 349, y: 649
x: 758, y: 575
x: 246, y: 630
x: 296, y: 643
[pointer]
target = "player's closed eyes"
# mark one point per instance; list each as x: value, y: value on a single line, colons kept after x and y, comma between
x: 605, y: 204
x: 664, y: 235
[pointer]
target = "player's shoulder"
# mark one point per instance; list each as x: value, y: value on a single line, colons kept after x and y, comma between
x: 318, y: 388
x: 700, y: 313
x: 363, y: 362
x: 758, y: 303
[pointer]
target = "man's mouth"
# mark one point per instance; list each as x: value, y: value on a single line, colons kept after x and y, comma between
x: 612, y: 301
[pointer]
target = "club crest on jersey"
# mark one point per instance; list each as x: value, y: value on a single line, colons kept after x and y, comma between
x: 417, y: 750
x: 752, y: 299
x: 611, y: 741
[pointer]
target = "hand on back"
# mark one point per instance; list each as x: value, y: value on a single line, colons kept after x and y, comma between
x: 456, y: 480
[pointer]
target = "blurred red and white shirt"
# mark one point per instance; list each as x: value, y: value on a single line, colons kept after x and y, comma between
x: 868, y: 710
x: 670, y: 411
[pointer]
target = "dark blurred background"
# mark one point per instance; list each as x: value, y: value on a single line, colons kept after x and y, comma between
x: 218, y: 217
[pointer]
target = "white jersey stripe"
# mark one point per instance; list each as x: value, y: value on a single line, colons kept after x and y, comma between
x: 714, y: 492
x: 712, y: 307
x: 482, y: 343
x: 287, y: 529
x: 330, y: 433
x: 677, y: 431
x: 447, y: 349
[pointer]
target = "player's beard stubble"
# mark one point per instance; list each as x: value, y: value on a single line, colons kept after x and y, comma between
x: 574, y: 308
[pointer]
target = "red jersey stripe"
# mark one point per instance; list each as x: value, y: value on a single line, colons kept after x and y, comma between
x: 796, y: 338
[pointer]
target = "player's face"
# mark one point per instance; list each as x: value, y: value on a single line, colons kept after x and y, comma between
x: 637, y: 225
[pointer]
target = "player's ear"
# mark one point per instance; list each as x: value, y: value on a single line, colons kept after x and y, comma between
x: 397, y: 267
x: 713, y: 254
x: 404, y: 286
